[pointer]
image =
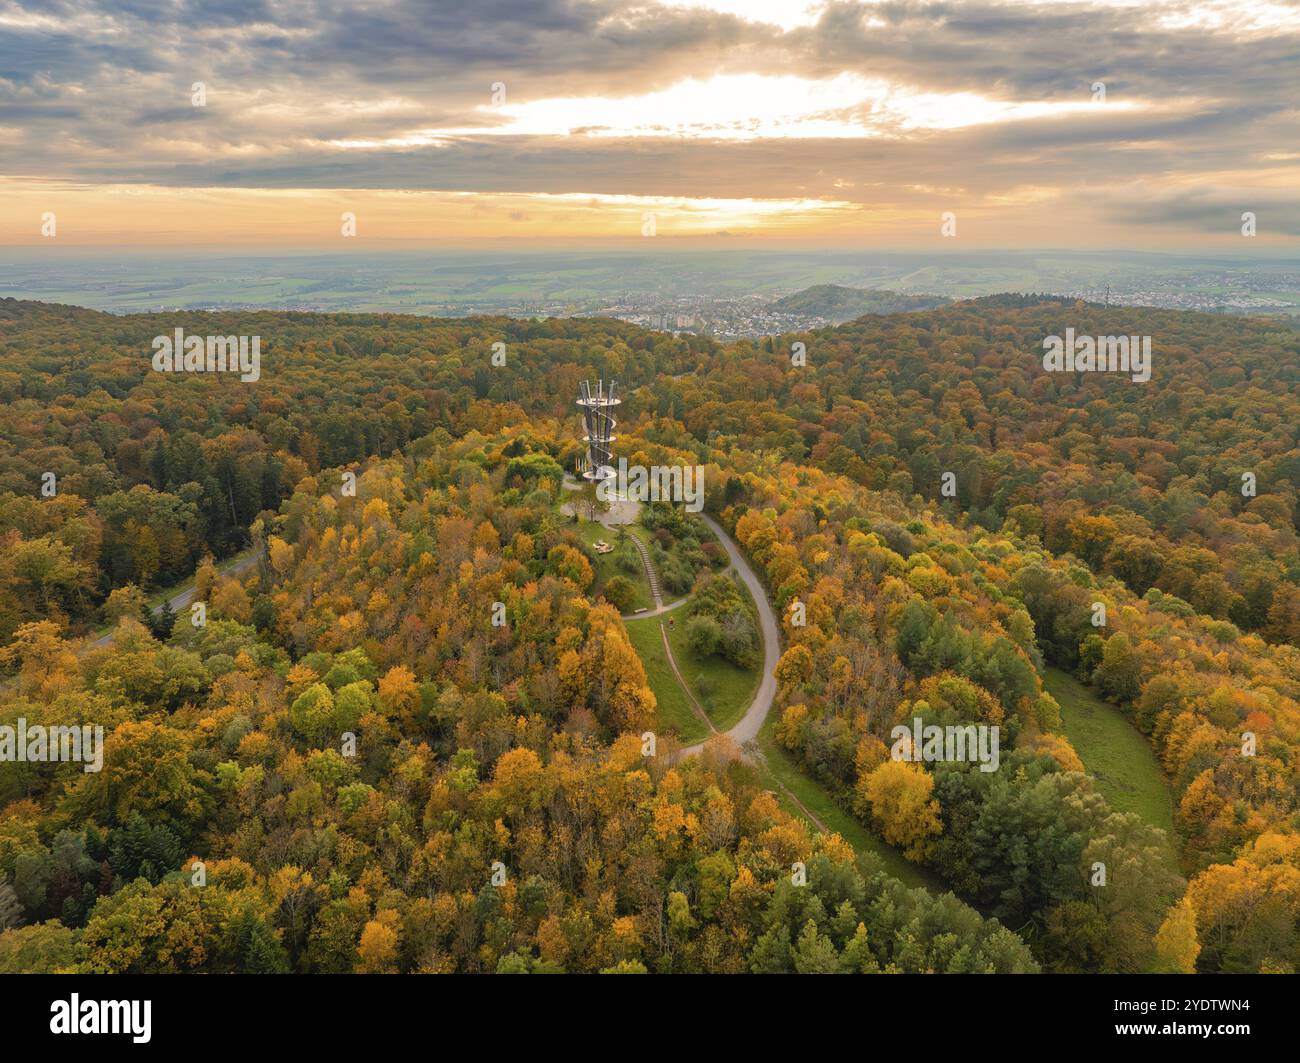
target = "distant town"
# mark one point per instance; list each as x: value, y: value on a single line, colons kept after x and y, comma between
x: 726, y: 295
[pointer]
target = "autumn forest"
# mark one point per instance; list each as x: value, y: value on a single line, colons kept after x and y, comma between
x: 384, y: 690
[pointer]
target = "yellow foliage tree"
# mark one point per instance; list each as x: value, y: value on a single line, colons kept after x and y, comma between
x: 898, y: 793
x: 1176, y: 943
x: 397, y: 689
x: 230, y: 601
x: 377, y: 952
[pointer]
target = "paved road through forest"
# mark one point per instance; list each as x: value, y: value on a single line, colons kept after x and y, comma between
x: 747, y: 728
x: 181, y: 600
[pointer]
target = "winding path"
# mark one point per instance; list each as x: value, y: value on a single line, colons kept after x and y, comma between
x: 746, y: 730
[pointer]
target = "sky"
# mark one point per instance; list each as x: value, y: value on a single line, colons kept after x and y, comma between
x: 247, y: 124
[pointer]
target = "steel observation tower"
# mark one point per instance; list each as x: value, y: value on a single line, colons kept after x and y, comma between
x: 597, y: 404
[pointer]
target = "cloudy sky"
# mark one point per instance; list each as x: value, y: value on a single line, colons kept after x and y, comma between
x: 553, y: 121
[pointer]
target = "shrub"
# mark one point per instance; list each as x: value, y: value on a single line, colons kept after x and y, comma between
x: 620, y: 592
x: 703, y: 636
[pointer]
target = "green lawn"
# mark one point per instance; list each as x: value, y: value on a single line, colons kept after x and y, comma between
x: 727, y: 689
x: 674, y: 712
x: 1113, y: 751
x: 723, y: 689
x: 606, y: 569
x: 781, y: 766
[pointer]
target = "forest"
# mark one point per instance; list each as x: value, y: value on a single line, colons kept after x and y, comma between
x: 370, y: 775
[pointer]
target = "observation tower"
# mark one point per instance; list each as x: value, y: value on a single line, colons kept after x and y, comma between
x: 598, y: 404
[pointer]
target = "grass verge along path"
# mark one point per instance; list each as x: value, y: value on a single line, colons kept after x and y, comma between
x: 1115, y: 753
x: 673, y: 712
x: 724, y: 689
x: 781, y: 767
